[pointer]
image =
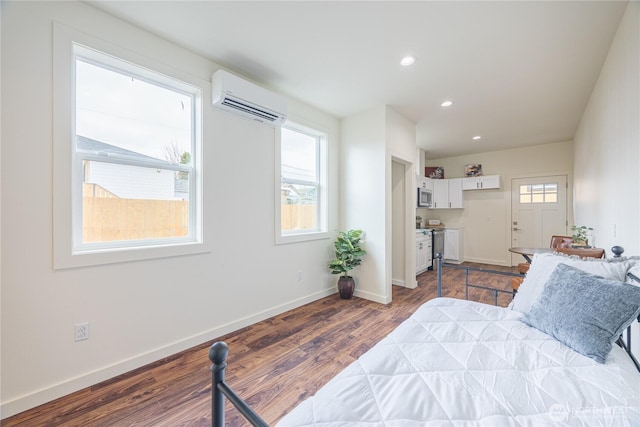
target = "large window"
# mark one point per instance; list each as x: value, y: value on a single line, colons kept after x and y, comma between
x: 134, y: 144
x: 302, y: 186
x: 127, y: 156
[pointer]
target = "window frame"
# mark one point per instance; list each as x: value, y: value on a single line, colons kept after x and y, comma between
x: 68, y: 250
x: 322, y: 210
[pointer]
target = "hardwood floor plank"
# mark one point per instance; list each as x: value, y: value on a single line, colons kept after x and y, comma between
x: 273, y: 364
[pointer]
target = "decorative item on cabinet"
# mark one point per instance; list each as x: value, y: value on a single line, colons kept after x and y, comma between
x: 434, y: 172
x: 474, y: 169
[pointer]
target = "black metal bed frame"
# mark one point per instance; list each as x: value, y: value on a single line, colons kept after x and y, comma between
x: 467, y: 284
x: 219, y: 350
x: 219, y: 389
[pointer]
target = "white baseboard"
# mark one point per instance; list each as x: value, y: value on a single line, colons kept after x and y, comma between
x: 373, y: 297
x: 398, y: 282
x: 47, y: 394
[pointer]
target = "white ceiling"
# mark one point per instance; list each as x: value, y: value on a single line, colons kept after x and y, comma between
x: 519, y: 73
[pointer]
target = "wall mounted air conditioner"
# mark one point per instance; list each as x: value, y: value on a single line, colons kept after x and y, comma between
x: 234, y: 94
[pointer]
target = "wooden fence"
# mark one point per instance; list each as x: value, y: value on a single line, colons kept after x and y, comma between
x: 298, y: 217
x: 108, y: 218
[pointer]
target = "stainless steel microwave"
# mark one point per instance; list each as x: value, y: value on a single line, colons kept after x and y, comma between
x: 425, y: 198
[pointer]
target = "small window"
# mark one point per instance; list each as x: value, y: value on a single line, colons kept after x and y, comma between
x: 301, y: 194
x: 539, y: 193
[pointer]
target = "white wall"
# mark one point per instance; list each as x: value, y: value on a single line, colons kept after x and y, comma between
x: 362, y: 198
x: 400, y: 217
x: 371, y: 141
x: 487, y: 213
x: 607, y: 144
x: 138, y: 311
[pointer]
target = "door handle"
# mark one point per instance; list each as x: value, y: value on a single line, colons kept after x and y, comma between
x: 517, y: 229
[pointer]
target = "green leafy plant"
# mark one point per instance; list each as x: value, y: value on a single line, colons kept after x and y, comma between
x: 580, y: 234
x: 348, y: 252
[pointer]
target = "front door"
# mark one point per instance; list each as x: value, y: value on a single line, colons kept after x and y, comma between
x: 538, y: 211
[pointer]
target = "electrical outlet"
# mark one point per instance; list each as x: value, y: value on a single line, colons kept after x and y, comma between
x: 299, y: 276
x: 82, y: 331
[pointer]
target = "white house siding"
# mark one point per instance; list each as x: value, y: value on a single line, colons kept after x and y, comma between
x: 133, y: 182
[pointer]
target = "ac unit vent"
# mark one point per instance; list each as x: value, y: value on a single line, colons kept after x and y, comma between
x: 239, y: 96
x: 249, y: 109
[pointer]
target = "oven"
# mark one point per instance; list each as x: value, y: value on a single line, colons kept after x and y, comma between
x: 438, y: 245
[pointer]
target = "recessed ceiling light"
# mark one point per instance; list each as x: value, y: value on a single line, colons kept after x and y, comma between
x: 447, y: 104
x: 407, y: 60
x: 477, y: 137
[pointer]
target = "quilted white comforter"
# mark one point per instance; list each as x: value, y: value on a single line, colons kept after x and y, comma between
x: 461, y: 363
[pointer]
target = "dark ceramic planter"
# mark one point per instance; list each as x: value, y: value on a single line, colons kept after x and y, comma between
x: 346, y: 286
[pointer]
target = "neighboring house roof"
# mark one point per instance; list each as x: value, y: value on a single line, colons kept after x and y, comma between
x: 152, y: 180
x: 94, y: 146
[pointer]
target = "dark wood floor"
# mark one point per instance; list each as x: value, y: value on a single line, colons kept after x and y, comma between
x: 273, y: 364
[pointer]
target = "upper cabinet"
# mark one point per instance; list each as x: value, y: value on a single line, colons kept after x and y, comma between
x: 425, y: 183
x: 481, y: 182
x: 447, y: 193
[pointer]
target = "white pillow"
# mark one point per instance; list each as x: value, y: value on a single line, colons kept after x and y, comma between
x: 635, y: 270
x: 542, y: 265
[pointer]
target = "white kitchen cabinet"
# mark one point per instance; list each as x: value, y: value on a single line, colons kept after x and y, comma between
x: 454, y: 245
x: 425, y: 183
x: 481, y: 182
x: 447, y: 193
x: 423, y: 251
x: 455, y: 193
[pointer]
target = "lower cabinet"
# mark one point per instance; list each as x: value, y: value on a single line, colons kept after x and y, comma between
x: 423, y: 252
x: 454, y: 245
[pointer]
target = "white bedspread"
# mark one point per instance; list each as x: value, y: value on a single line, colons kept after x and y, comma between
x: 461, y: 363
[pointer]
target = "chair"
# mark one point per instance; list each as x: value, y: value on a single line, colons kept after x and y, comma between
x: 561, y: 242
x: 583, y: 253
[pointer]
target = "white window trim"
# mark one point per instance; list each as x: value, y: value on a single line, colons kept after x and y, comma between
x: 65, y: 255
x: 322, y: 168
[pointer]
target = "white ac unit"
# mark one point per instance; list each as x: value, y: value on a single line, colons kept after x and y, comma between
x: 234, y: 94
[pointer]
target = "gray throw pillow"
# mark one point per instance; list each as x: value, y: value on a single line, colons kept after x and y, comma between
x: 585, y: 312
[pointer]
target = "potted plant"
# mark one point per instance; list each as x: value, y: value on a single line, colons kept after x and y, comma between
x: 348, y: 253
x: 580, y: 235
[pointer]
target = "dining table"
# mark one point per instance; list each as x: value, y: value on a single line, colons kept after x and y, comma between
x: 527, y: 253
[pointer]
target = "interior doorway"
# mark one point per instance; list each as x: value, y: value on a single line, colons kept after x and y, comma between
x: 538, y: 211
x: 402, y: 224
x: 398, y: 243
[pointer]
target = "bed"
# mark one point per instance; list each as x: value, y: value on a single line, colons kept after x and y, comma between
x: 547, y: 359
